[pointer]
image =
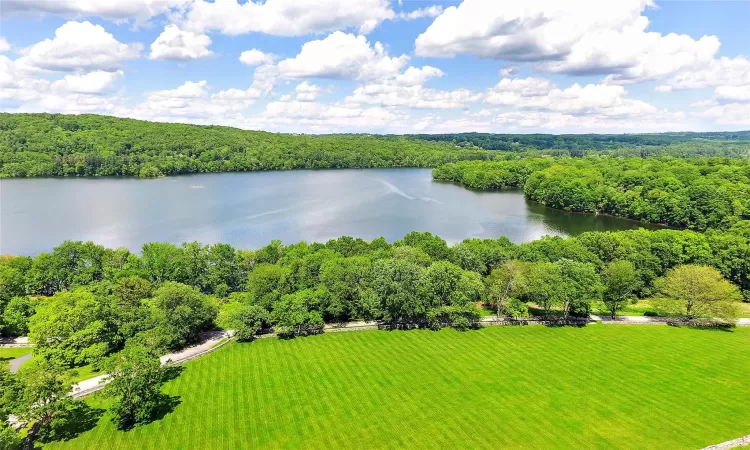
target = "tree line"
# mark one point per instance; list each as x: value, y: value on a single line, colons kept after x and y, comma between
x: 731, y: 142
x: 57, y: 145
x: 84, y: 304
x: 694, y: 193
x: 81, y: 302
x: 54, y: 145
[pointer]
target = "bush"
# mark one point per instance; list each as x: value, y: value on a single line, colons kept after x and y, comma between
x: 459, y: 317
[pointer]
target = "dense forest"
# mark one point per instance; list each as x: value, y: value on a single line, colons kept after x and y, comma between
x: 82, y: 302
x: 45, y: 145
x: 54, y: 145
x: 737, y: 142
x: 695, y: 193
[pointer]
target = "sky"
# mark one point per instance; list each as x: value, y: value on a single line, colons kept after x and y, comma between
x: 382, y: 66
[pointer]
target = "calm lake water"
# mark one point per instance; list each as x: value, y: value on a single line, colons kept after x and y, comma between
x: 247, y: 210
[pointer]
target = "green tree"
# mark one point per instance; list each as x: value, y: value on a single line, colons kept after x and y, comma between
x: 43, y: 400
x: 135, y: 381
x: 179, y: 313
x: 298, y: 313
x: 695, y: 291
x: 75, y: 328
x: 396, y: 283
x: 246, y: 320
x: 505, y: 283
x: 543, y: 281
x: 267, y: 283
x: 580, y: 286
x: 15, y: 319
x: 620, y: 281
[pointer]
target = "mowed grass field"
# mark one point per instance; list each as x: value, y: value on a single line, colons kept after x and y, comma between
x: 602, y: 386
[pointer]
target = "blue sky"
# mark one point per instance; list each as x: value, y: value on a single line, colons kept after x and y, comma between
x: 384, y: 66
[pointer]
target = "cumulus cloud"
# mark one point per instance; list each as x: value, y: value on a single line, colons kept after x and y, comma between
x: 193, y: 102
x: 20, y: 91
x: 733, y: 93
x: 177, y: 44
x: 116, y: 10
x: 737, y: 114
x: 307, y: 92
x: 323, y: 117
x: 418, y: 97
x: 90, y: 83
x: 542, y: 94
x: 342, y: 56
x: 717, y: 72
x: 509, y: 71
x: 255, y: 57
x: 79, y: 46
x: 287, y: 17
x: 415, y: 75
x: 421, y: 13
x: 4, y: 46
x: 581, y: 37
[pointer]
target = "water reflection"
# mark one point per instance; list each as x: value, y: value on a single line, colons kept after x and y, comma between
x: 249, y: 209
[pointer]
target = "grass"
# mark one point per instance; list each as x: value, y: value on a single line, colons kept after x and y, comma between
x: 602, y: 386
x: 8, y: 353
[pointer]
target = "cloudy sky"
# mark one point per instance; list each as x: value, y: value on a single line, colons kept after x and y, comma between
x: 384, y: 66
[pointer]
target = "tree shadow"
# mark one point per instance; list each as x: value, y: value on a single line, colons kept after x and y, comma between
x: 77, y: 418
x: 172, y: 372
x: 167, y: 404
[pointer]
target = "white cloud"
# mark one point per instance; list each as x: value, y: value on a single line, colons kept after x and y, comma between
x: 116, y: 10
x: 418, y: 97
x: 323, y: 117
x: 4, y: 46
x: 21, y: 92
x: 579, y: 37
x: 733, y: 93
x: 541, y: 94
x: 174, y: 43
x: 421, y: 13
x: 79, y: 46
x: 571, y: 123
x: 255, y: 57
x: 509, y: 71
x: 634, y: 55
x: 307, y: 92
x: 91, y: 83
x: 533, y: 30
x: 737, y: 114
x: 342, y: 56
x: 415, y: 75
x: 193, y: 102
x: 287, y: 17
x: 717, y: 72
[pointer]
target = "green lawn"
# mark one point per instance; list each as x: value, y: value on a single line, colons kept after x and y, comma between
x: 7, y: 353
x: 602, y: 386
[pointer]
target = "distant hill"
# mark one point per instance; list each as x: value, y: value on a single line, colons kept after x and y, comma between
x: 55, y: 145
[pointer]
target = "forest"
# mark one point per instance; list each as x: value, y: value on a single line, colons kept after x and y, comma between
x: 53, y: 145
x: 82, y: 302
x: 578, y: 144
x: 694, y: 193
x: 56, y: 145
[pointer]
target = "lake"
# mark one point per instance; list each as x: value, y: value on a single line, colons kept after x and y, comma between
x: 248, y: 210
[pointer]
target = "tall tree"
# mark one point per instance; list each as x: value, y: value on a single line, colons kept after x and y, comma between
x: 620, y: 281
x: 43, y: 398
x: 693, y: 291
x: 136, y: 377
x: 506, y: 282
